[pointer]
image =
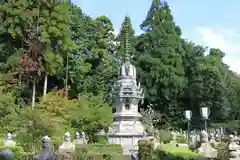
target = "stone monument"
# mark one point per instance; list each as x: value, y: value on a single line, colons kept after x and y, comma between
x: 6, y: 154
x: 8, y: 141
x: 127, y: 129
x: 206, y: 149
x: 80, y: 139
x: 212, y: 139
x: 46, y: 153
x: 67, y: 146
x: 234, y: 149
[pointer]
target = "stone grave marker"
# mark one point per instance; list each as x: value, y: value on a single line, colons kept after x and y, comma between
x: 46, y: 153
x: 205, y: 148
x: 67, y: 146
x: 6, y: 154
x: 8, y: 141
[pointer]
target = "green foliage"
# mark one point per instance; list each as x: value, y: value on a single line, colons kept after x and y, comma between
x: 160, y: 64
x: 8, y: 112
x: 80, y: 52
x: 181, y: 139
x: 169, y: 151
x: 99, y: 152
x: 223, y: 152
x: 91, y: 114
x: 146, y: 149
x: 18, y: 151
x: 100, y: 139
x: 164, y: 136
x: 149, y: 117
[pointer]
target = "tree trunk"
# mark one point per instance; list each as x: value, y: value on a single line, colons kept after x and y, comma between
x: 66, y: 78
x: 45, y: 86
x: 33, y: 93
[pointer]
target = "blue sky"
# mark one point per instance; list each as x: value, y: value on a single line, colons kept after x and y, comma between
x: 209, y: 23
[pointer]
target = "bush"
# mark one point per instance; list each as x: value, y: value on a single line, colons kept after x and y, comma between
x: 19, y: 154
x: 100, y: 139
x: 146, y: 150
x: 164, y: 136
x: 171, y: 152
x: 98, y: 152
x: 181, y: 139
x: 163, y: 155
x: 223, y: 153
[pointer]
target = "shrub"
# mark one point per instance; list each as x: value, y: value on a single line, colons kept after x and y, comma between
x: 223, y: 153
x: 163, y: 155
x: 146, y: 150
x: 98, y: 152
x: 181, y: 139
x: 164, y: 136
x: 171, y: 152
x: 101, y: 139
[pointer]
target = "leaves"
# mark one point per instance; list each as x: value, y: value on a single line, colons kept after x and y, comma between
x: 57, y: 42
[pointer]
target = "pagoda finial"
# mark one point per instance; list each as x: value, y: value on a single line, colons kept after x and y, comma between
x: 126, y: 39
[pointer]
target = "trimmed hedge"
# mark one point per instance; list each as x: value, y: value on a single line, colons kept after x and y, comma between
x: 101, y: 139
x: 98, y: 152
x: 163, y: 155
x: 171, y: 152
x: 146, y: 150
x: 181, y: 139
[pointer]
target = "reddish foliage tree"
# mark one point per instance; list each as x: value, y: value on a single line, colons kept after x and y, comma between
x: 30, y: 63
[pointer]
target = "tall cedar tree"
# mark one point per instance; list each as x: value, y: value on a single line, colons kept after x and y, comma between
x: 160, y: 65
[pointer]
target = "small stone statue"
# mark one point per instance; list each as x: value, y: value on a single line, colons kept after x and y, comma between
x: 173, y: 135
x: 6, y: 154
x: 235, y: 137
x: 67, y: 146
x: 217, y: 137
x: 77, y: 141
x: 206, y: 149
x: 212, y: 138
x: 46, y: 153
x: 83, y: 138
x: 8, y: 141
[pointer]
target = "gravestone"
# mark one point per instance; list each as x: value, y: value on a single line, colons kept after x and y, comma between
x: 236, y: 138
x: 80, y: 139
x: 212, y: 138
x: 233, y: 148
x: 6, y: 154
x: 205, y: 148
x: 46, y: 153
x: 8, y: 141
x: 67, y: 146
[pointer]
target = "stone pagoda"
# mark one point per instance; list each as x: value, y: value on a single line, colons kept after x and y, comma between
x: 127, y: 128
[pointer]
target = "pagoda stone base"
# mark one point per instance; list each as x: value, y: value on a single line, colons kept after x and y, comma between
x: 129, y: 143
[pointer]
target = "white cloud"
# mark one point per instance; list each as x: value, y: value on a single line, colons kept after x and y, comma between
x: 226, y: 40
x: 233, y: 63
x: 220, y: 39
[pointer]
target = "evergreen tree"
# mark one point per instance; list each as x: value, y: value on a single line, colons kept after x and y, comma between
x: 161, y: 67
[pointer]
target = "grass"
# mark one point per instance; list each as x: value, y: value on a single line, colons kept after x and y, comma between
x: 184, y: 152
